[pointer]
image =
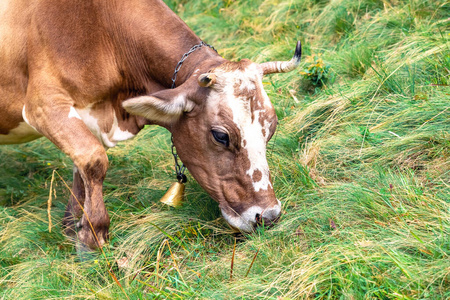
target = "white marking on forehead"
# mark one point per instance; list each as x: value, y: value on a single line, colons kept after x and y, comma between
x: 256, y: 148
x: 254, y: 135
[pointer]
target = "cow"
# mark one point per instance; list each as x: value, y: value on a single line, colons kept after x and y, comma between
x: 88, y: 74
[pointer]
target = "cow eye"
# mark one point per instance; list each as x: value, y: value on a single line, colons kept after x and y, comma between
x: 221, y: 137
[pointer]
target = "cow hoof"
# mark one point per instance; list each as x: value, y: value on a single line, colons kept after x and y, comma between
x: 70, y: 232
x: 93, y: 241
x: 84, y: 253
x: 68, y: 225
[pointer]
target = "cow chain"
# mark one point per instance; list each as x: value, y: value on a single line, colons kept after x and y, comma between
x: 180, y: 169
x: 184, y: 57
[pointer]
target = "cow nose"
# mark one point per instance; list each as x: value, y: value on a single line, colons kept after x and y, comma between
x: 252, y: 217
x: 264, y: 221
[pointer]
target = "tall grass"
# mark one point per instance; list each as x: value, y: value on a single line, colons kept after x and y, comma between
x: 361, y: 165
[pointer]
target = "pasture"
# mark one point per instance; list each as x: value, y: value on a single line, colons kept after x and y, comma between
x: 360, y: 162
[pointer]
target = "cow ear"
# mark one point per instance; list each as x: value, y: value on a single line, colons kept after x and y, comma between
x: 165, y: 106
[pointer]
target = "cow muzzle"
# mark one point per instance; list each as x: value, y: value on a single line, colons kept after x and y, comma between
x: 253, y: 217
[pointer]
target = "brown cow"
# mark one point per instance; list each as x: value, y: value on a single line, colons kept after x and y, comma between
x: 88, y: 74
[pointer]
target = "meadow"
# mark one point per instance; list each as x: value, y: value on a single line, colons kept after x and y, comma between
x: 360, y: 162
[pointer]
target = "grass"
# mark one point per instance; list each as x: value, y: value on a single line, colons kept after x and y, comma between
x: 361, y: 165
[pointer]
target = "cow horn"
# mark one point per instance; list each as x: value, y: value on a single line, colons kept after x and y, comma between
x: 283, y: 66
x: 206, y: 80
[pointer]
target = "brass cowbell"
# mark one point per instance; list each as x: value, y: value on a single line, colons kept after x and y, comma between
x: 174, y: 195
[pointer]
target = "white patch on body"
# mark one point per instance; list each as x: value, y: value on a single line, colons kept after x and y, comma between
x: 24, y: 116
x: 247, y: 220
x: 108, y: 139
x: 117, y: 135
x: 73, y: 113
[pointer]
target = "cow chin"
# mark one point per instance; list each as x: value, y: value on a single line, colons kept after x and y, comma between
x: 252, y: 217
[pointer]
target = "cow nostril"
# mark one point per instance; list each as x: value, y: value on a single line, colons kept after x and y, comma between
x: 265, y: 222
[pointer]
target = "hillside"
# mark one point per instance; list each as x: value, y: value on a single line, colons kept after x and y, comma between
x: 360, y: 162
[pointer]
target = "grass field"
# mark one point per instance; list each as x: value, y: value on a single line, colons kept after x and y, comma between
x: 360, y: 162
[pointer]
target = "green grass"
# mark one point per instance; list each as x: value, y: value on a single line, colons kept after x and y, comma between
x: 361, y: 165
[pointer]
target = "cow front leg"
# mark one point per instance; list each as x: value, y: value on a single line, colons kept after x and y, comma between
x: 94, y: 223
x: 74, y: 207
x: 63, y: 126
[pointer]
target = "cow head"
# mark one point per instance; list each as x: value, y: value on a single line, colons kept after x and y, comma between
x: 221, y: 122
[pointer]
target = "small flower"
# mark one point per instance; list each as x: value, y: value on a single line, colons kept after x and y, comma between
x: 332, y: 224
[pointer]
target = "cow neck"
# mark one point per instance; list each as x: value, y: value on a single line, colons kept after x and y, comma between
x: 151, y: 40
x: 184, y: 57
x: 197, y: 58
x: 181, y: 178
x: 180, y: 169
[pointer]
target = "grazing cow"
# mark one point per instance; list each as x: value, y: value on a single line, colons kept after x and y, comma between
x: 88, y: 74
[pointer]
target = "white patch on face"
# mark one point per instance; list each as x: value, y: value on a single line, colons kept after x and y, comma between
x: 247, y: 220
x: 253, y: 135
x: 108, y: 139
x: 256, y: 148
x: 267, y: 103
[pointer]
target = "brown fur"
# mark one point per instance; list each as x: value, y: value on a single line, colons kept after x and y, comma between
x: 59, y: 55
